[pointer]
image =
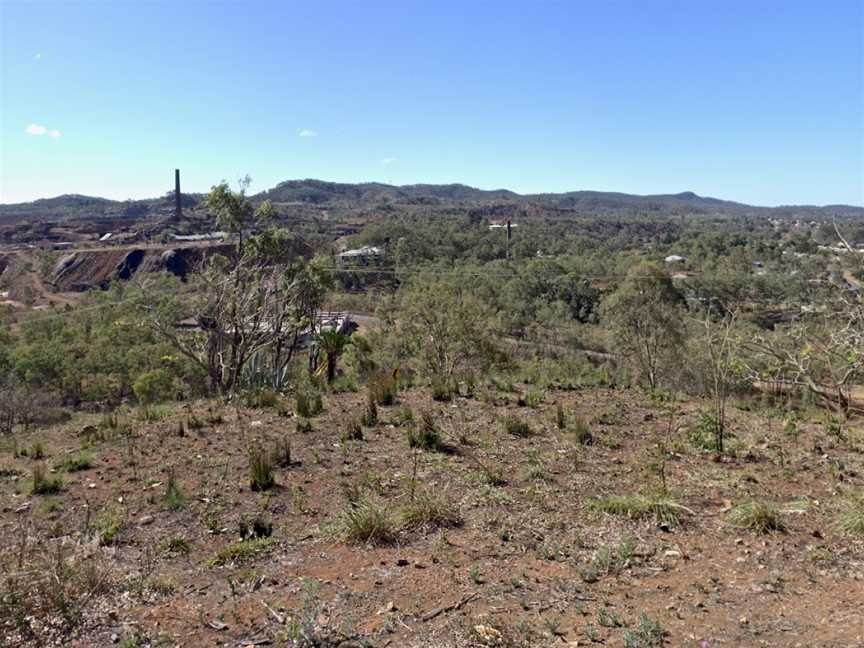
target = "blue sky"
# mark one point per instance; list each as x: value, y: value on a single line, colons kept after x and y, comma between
x: 761, y: 102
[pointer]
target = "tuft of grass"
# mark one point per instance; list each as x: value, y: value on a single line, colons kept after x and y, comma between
x: 354, y: 431
x: 851, y: 519
x: 109, y: 524
x: 176, y: 544
x: 308, y: 403
x: 758, y: 516
x: 560, y: 417
x: 366, y: 523
x: 281, y: 454
x: 515, y: 426
x: 383, y: 388
x: 81, y: 461
x: 370, y: 414
x: 303, y: 425
x: 429, y: 511
x: 261, y: 476
x: 442, y: 388
x: 648, y: 634
x: 581, y: 431
x: 43, y: 484
x: 173, y: 498
x: 638, y: 506
x: 425, y: 435
x: 240, y: 552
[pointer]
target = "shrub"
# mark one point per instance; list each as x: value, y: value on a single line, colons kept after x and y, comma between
x: 425, y: 434
x: 260, y: 398
x: 303, y: 425
x: 405, y: 416
x: 515, y: 426
x: 366, y: 523
x: 260, y: 470
x: 308, y: 403
x: 43, y: 484
x: 383, y: 388
x: 758, y: 516
x: 851, y: 518
x: 153, y: 386
x: 442, y: 388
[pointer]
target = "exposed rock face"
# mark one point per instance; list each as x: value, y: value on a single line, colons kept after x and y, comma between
x: 80, y: 271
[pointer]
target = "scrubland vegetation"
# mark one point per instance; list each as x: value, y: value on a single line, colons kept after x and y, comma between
x: 580, y: 444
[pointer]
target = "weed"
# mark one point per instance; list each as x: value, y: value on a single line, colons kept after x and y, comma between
x: 515, y: 426
x: 261, y: 476
x: 173, y: 497
x: 260, y: 398
x: 638, y: 506
x: 581, y: 431
x: 353, y: 431
x: 383, y: 388
x: 758, y: 516
x: 851, y: 518
x: 308, y: 403
x: 366, y: 523
x: 110, y: 523
x: 303, y: 425
x: 81, y: 461
x: 176, y: 544
x: 425, y: 434
x: 240, y: 552
x: 281, y: 454
x: 43, y: 484
x: 474, y: 575
x: 429, y: 511
x: 251, y: 528
x: 442, y: 388
x: 370, y: 414
x: 648, y: 634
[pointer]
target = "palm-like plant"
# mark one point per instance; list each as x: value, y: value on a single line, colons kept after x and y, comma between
x: 332, y: 343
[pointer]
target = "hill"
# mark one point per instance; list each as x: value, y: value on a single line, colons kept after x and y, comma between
x: 319, y: 193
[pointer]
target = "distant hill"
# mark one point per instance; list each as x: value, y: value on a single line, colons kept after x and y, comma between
x: 373, y: 194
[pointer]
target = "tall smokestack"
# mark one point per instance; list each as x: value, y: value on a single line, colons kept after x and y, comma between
x: 178, y: 209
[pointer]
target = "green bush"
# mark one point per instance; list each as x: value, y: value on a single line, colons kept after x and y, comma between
x: 383, y: 388
x: 425, y: 434
x: 154, y: 386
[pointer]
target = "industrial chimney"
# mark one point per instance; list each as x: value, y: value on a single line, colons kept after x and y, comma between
x: 178, y: 209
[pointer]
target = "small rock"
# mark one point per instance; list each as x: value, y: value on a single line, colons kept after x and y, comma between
x: 114, y: 637
x: 145, y: 520
x: 743, y: 621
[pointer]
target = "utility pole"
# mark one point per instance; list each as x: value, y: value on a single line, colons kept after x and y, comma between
x: 178, y: 208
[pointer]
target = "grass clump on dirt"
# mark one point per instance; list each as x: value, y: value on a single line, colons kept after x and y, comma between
x: 647, y: 634
x: 43, y: 484
x: 81, y: 461
x: 758, y: 516
x: 366, y: 523
x: 240, y: 552
x: 851, y: 519
x: 429, y: 511
x: 638, y: 506
x: 261, y: 476
x: 515, y: 426
x: 173, y: 498
x: 425, y: 434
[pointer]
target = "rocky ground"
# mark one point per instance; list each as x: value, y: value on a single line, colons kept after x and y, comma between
x: 493, y: 539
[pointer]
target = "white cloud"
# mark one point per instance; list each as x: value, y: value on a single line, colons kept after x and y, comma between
x: 307, y: 132
x: 39, y: 130
x: 37, y: 57
x: 389, y: 160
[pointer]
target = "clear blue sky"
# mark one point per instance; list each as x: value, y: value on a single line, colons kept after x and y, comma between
x: 756, y: 101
